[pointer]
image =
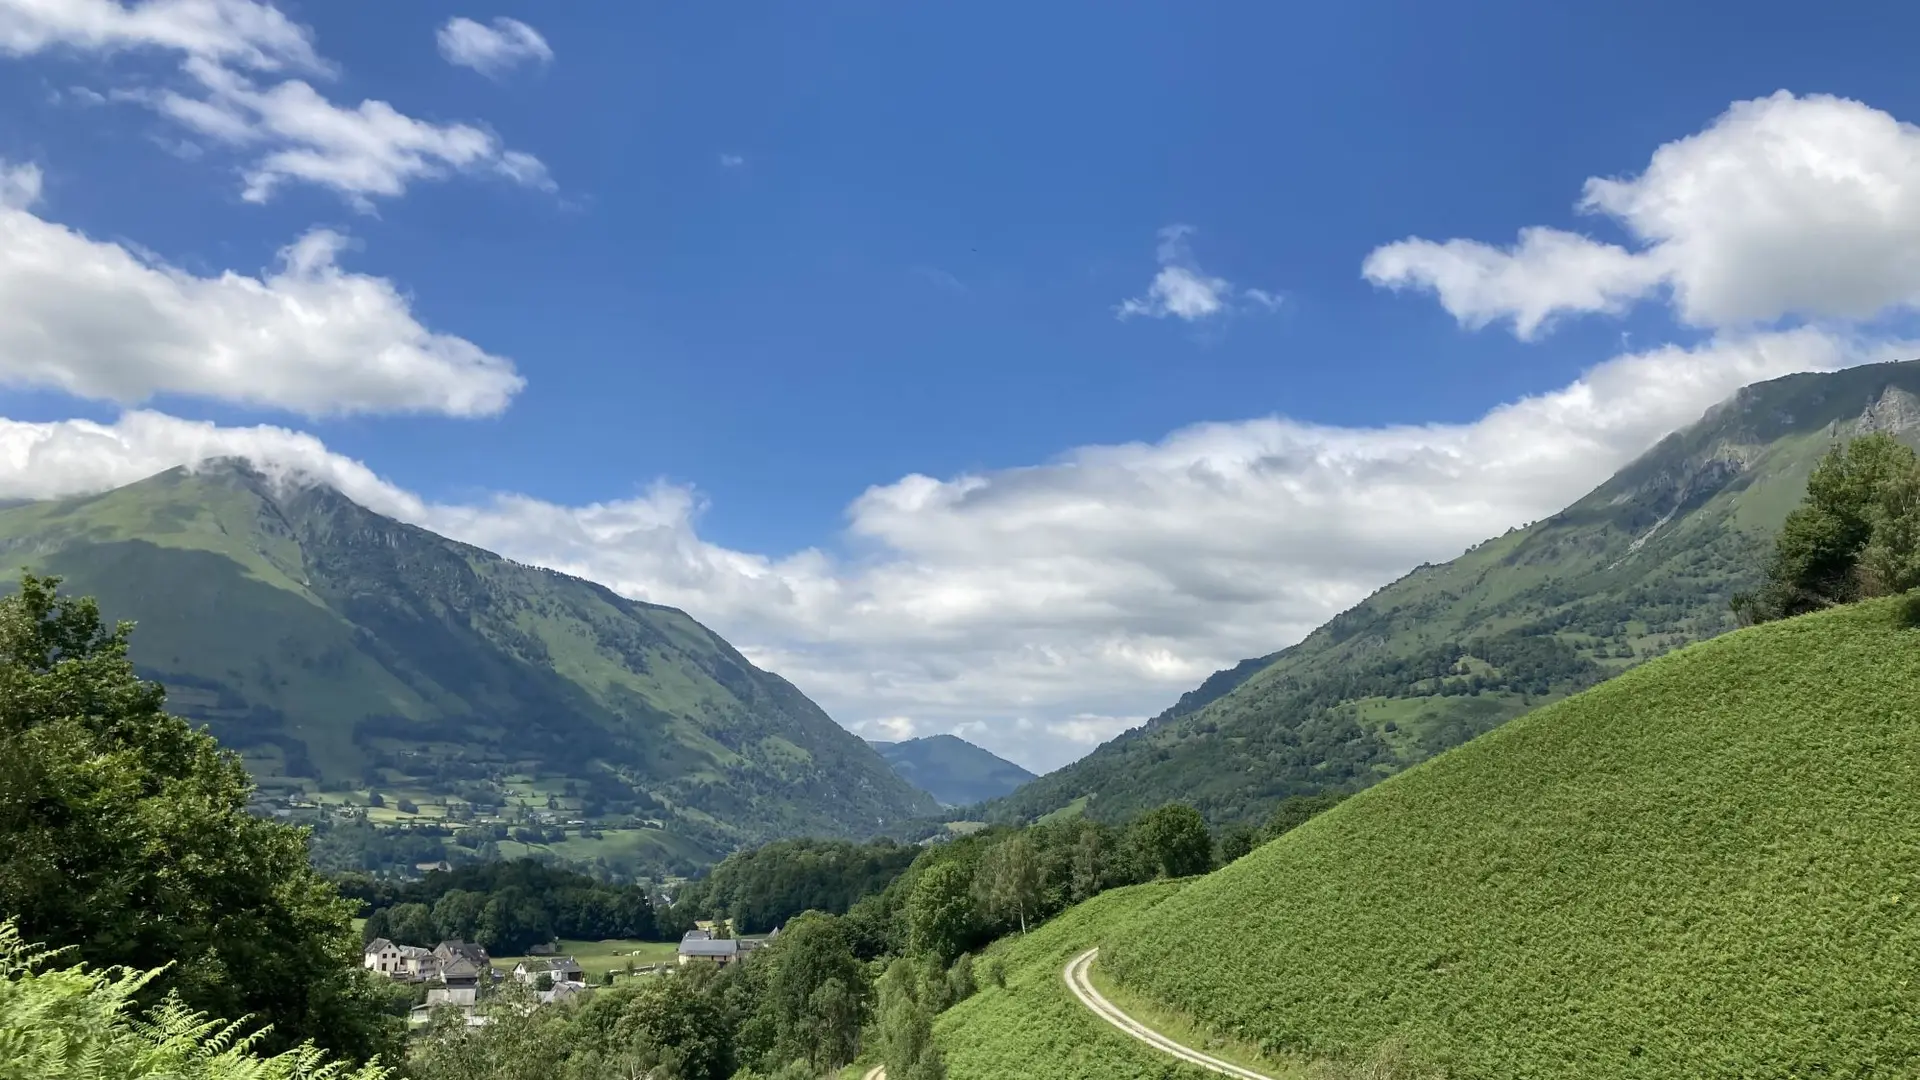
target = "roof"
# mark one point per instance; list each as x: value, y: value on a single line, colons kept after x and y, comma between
x: 725, y: 947
x: 379, y: 944
x: 459, y: 968
x: 469, y: 949
x: 414, y: 952
x: 697, y: 935
x: 557, y: 963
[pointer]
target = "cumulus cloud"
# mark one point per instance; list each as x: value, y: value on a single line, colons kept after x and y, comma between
x: 492, y: 50
x: 1183, y: 291
x: 1783, y: 206
x: 1041, y: 609
x: 99, y: 321
x: 293, y: 131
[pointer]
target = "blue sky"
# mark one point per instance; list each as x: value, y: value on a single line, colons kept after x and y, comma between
x: 813, y: 319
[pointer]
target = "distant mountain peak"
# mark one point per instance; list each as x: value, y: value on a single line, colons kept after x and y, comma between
x: 951, y: 769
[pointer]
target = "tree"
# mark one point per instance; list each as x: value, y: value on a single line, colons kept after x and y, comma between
x: 1007, y: 881
x: 1087, y: 866
x: 1296, y: 810
x: 1859, y: 493
x: 1172, y: 841
x: 1236, y: 840
x: 124, y: 834
x: 816, y: 991
x: 678, y: 1023
x: 906, y: 1027
x: 411, y: 924
x: 940, y: 911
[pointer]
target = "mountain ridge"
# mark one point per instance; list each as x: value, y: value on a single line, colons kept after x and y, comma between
x: 1644, y: 563
x: 334, y: 645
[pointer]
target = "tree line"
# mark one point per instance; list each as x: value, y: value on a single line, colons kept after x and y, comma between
x: 508, y: 907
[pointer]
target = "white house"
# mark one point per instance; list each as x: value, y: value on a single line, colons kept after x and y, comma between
x: 384, y: 957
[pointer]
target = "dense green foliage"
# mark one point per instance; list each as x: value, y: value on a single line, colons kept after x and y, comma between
x: 345, y: 654
x: 507, y: 907
x: 760, y: 888
x: 952, y: 770
x: 1646, y: 563
x: 124, y: 836
x: 1855, y: 535
x: 1701, y: 868
x: 75, y: 1023
x: 803, y: 999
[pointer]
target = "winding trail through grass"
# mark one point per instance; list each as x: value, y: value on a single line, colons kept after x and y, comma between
x: 1082, y: 987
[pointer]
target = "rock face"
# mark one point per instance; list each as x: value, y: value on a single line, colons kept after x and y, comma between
x: 1643, y: 564
x: 336, y: 647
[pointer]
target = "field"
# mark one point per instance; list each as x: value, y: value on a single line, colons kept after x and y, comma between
x: 1706, y: 867
x: 602, y: 956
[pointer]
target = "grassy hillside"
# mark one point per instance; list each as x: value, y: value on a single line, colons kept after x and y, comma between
x: 952, y: 770
x: 1707, y: 867
x: 345, y: 653
x: 1644, y: 564
x: 1033, y: 1029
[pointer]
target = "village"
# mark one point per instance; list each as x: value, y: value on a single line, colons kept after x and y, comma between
x: 458, y: 976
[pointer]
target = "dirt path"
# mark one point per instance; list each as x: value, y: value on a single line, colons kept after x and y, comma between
x: 1082, y: 987
x: 878, y: 1072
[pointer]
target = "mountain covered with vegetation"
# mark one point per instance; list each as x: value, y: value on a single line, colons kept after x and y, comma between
x: 349, y: 656
x: 952, y: 770
x: 1702, y: 868
x: 1647, y: 562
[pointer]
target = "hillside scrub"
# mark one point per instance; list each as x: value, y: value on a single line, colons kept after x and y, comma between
x: 1705, y: 868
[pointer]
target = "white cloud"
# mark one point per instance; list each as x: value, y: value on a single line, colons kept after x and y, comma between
x: 99, y: 321
x: 293, y: 130
x: 1183, y: 291
x: 1783, y: 206
x: 492, y: 50
x: 731, y: 161
x: 242, y: 32
x: 1081, y: 593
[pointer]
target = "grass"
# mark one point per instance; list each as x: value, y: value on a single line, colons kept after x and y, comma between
x: 1183, y: 1030
x: 601, y: 956
x: 1706, y: 867
x: 1033, y: 1028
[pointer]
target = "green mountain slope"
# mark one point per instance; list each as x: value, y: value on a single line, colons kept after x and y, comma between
x: 952, y: 770
x: 1703, y: 868
x: 337, y: 648
x: 1645, y: 563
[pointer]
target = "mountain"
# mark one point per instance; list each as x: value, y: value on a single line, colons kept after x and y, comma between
x: 1697, y: 869
x: 951, y: 769
x: 1645, y: 563
x: 343, y: 652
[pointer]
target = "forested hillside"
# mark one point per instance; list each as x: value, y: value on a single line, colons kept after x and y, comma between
x: 1647, y: 562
